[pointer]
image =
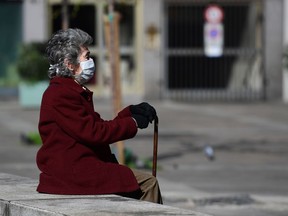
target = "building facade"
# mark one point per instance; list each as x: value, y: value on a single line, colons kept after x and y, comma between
x: 163, y: 46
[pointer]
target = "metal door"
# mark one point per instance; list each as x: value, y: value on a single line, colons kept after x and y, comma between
x: 236, y: 75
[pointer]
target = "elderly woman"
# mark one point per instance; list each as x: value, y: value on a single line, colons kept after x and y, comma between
x: 75, y: 157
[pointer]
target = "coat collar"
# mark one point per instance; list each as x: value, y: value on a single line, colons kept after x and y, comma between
x: 70, y: 83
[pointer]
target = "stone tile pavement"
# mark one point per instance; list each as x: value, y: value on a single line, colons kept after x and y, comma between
x: 248, y: 175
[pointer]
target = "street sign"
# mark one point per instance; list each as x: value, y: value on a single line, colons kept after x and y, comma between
x: 213, y: 39
x: 213, y: 31
x: 213, y: 14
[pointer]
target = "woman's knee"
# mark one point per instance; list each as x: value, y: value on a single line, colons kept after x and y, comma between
x: 152, y: 181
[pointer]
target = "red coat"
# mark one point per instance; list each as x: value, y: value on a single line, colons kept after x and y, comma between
x: 75, y: 157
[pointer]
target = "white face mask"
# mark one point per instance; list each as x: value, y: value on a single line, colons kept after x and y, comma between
x: 88, y: 71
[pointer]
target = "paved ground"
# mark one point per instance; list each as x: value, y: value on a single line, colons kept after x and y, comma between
x: 248, y: 176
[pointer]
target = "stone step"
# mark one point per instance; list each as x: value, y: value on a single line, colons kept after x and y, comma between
x: 18, y: 197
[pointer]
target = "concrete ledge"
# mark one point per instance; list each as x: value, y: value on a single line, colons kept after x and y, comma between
x: 18, y: 197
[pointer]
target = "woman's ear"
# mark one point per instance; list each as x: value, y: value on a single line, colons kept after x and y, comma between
x: 68, y: 65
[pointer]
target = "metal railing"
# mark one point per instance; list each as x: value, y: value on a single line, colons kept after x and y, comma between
x: 235, y: 75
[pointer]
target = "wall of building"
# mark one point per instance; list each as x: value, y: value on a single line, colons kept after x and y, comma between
x: 273, y: 45
x: 152, y: 58
x: 10, y: 39
x: 285, y: 46
x: 34, y: 21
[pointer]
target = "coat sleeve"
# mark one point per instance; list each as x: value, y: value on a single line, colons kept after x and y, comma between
x: 124, y: 113
x: 73, y: 117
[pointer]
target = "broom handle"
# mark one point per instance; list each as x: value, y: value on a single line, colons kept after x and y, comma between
x: 155, y: 146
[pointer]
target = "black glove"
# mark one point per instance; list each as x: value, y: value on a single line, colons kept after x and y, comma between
x: 142, y: 121
x: 144, y: 109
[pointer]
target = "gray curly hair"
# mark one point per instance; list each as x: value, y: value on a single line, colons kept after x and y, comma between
x: 65, y: 44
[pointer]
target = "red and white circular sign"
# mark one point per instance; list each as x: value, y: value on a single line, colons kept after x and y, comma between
x: 213, y: 14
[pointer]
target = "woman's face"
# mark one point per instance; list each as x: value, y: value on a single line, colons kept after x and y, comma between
x: 84, y: 56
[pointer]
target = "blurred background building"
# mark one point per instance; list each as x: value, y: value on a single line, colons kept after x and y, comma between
x: 162, y: 46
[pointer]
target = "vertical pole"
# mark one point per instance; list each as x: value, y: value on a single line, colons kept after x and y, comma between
x: 155, y: 147
x: 65, y: 15
x: 112, y: 41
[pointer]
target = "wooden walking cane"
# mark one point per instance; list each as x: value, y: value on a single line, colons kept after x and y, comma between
x: 155, y: 146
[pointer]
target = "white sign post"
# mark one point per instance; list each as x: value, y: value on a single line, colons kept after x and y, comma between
x: 213, y: 31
